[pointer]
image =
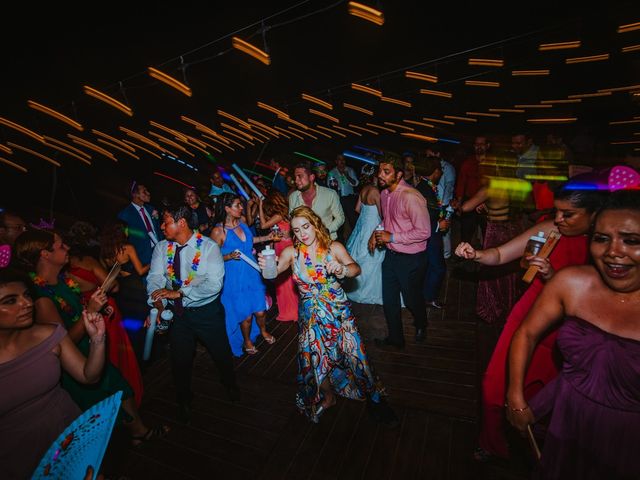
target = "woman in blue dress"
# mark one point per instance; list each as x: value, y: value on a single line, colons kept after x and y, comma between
x: 331, y: 355
x: 243, y: 293
x: 366, y: 288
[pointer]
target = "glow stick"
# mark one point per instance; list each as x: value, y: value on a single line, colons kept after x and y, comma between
x: 248, y: 260
x: 248, y: 181
x: 239, y: 187
x: 151, y: 330
x: 362, y: 158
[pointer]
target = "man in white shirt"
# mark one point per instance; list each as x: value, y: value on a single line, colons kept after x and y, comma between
x: 323, y: 201
x: 526, y: 153
x: 187, y: 272
x: 345, y: 180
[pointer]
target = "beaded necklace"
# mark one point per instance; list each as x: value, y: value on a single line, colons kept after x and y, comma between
x: 314, y: 271
x: 50, y: 289
x: 194, y: 264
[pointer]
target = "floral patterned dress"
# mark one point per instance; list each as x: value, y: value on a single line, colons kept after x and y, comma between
x: 329, y: 344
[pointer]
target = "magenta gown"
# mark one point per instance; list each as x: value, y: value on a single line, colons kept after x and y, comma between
x: 594, y: 431
x: 34, y: 409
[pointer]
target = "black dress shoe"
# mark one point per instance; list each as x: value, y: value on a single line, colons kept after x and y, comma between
x: 385, y: 342
x: 184, y: 412
x: 234, y: 393
x: 421, y: 334
x: 382, y: 413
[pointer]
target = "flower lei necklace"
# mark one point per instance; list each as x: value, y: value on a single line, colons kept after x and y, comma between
x: 315, y: 272
x: 73, y: 286
x: 194, y: 264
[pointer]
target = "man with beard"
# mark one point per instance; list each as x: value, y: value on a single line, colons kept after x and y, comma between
x: 406, y: 230
x: 322, y: 200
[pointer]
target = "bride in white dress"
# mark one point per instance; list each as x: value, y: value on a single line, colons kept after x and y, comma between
x: 367, y: 287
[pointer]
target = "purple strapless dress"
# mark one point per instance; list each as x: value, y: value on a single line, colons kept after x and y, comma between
x: 594, y: 431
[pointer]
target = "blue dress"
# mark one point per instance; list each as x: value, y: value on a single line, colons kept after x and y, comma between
x: 367, y: 287
x: 243, y: 292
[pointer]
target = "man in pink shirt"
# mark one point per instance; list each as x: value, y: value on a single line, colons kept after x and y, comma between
x: 406, y: 230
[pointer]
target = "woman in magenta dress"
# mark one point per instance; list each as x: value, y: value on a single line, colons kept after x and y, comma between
x: 594, y: 431
x: 275, y: 211
x: 34, y: 408
x: 575, y: 210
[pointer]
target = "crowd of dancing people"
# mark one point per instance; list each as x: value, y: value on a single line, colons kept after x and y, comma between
x: 567, y: 361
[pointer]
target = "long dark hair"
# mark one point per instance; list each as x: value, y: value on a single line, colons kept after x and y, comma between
x: 112, y: 240
x: 224, y: 200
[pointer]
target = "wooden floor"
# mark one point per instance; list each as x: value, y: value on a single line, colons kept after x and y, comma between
x: 433, y: 387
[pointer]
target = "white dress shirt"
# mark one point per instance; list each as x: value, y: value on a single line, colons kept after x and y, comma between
x: 205, y: 286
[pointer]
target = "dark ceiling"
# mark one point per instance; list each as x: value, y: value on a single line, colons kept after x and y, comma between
x: 322, y: 53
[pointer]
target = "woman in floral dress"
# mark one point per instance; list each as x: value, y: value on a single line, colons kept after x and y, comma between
x: 331, y: 355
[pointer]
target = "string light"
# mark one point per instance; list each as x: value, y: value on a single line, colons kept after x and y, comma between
x: 386, y: 129
x: 562, y: 100
x: 103, y: 97
x: 482, y: 114
x: 279, y: 113
x: 421, y: 124
x: 544, y: 47
x: 365, y: 89
x: 629, y: 27
x: 435, y: 120
x: 397, y: 125
x: 238, y: 137
x: 530, y: 73
x: 552, y: 121
x: 123, y: 150
x: 251, y: 50
x: 239, y: 132
x: 140, y: 147
x: 630, y: 48
x: 234, y: 118
x: 620, y: 89
x: 176, y: 133
x: 220, y: 142
x: 5, y: 149
x: 421, y: 76
x: 486, y: 62
x: 417, y: 136
x: 92, y: 146
x: 351, y: 106
x: 533, y: 106
x: 324, y: 115
x: 55, y: 114
x: 334, y: 132
x: 34, y: 153
x: 591, y: 58
x: 110, y: 138
x: 396, y: 101
x: 170, y: 81
x: 302, y: 132
x: 477, y: 83
x: 51, y: 142
x: 591, y: 95
x: 319, y: 132
x: 347, y: 130
x: 464, y: 119
x: 168, y: 141
x: 436, y: 93
x: 14, y: 165
x: 294, y: 122
x: 258, y: 124
x: 286, y: 133
x: 366, y: 13
x: 366, y: 130
x: 506, y: 110
x: 21, y: 129
x: 317, y: 101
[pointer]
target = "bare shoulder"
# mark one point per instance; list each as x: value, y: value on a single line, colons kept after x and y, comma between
x: 42, y: 331
x: 575, y: 280
x: 337, y: 247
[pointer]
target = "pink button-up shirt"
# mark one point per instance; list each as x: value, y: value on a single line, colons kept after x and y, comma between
x: 406, y: 217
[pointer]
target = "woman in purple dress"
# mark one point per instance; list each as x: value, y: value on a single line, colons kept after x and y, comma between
x: 594, y: 431
x: 34, y: 409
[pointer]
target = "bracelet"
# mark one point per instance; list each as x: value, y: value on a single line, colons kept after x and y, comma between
x: 517, y: 410
x: 345, y: 271
x: 98, y: 340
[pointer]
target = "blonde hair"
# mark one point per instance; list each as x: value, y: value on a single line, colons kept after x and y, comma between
x: 322, y: 233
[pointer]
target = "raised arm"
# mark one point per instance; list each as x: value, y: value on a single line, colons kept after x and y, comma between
x: 267, y: 222
x: 506, y: 252
x: 135, y: 260
x: 284, y: 261
x: 86, y: 370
